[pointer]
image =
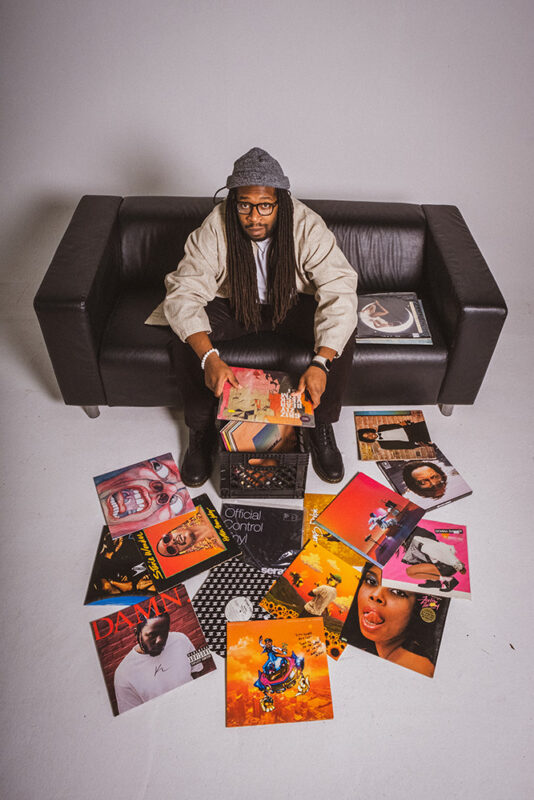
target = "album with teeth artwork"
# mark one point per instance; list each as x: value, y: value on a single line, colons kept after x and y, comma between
x: 277, y: 671
x: 179, y: 548
x: 150, y: 648
x: 142, y: 494
x: 397, y: 625
x: 370, y: 518
x: 316, y: 584
x: 119, y: 574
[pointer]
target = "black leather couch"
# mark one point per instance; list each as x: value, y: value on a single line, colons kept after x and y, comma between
x: 107, y: 275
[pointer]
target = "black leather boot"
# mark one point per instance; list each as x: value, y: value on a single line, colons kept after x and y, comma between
x: 197, y: 463
x: 326, y: 458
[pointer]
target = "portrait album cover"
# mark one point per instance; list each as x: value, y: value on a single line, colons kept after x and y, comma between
x: 370, y: 518
x: 316, y: 584
x: 186, y: 545
x: 265, y: 397
x: 392, y: 435
x: 269, y: 538
x: 119, y: 574
x: 432, y: 560
x: 399, y: 626
x: 150, y: 648
x: 430, y: 483
x: 142, y: 494
x: 277, y: 671
x: 396, y: 318
x: 313, y: 505
x: 259, y: 437
x: 230, y: 593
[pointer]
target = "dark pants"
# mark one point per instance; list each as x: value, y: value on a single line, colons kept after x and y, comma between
x: 200, y: 403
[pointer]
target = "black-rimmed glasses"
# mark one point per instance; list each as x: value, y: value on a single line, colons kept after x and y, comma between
x: 263, y: 209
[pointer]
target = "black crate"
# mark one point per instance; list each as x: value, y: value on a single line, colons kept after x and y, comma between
x: 265, y: 474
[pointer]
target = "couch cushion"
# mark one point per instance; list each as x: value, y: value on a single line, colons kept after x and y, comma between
x: 384, y: 242
x: 136, y: 366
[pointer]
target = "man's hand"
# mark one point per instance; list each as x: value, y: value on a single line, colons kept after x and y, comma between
x: 216, y: 373
x: 314, y: 382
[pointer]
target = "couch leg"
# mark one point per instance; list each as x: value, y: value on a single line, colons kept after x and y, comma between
x: 92, y: 411
x: 445, y: 409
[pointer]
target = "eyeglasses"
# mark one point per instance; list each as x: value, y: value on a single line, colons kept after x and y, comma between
x: 264, y: 209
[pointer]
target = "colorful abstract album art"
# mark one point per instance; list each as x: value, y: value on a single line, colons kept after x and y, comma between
x: 150, y: 648
x: 277, y: 671
x: 142, y: 494
x: 265, y: 397
x: 399, y: 626
x: 184, y: 546
x: 317, y: 583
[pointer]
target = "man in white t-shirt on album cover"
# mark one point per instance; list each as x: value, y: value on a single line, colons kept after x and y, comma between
x: 158, y: 663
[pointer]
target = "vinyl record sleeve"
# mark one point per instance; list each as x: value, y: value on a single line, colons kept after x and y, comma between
x: 119, y: 574
x: 399, y: 435
x: 187, y: 545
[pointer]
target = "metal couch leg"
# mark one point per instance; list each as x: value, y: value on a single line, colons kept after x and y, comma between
x: 92, y: 411
x: 445, y: 409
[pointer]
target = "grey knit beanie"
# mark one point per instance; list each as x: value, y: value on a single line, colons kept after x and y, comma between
x: 257, y: 168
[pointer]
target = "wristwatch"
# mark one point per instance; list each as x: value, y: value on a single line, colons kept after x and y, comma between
x: 321, y: 362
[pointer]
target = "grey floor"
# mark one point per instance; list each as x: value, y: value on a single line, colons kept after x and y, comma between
x: 465, y: 734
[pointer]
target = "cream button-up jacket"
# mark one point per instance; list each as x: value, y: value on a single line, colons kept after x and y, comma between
x: 322, y: 271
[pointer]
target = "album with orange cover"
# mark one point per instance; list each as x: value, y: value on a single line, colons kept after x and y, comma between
x: 399, y: 626
x: 316, y: 584
x: 313, y: 505
x: 370, y: 518
x: 277, y: 671
x: 150, y: 648
x: 179, y: 548
x: 265, y: 396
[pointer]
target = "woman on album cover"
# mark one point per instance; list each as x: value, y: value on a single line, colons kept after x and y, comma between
x: 390, y: 623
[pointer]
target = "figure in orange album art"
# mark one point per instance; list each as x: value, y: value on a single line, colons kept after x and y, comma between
x: 280, y: 672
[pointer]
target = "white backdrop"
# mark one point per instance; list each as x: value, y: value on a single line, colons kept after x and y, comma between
x: 410, y: 100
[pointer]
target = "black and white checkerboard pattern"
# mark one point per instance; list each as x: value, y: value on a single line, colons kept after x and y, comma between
x: 234, y: 579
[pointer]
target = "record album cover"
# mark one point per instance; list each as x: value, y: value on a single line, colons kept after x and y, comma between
x: 277, y: 671
x: 119, y: 574
x: 430, y: 483
x: 432, y: 560
x: 142, y: 494
x: 269, y: 537
x: 313, y: 505
x: 392, y: 318
x: 230, y: 593
x: 399, y: 626
x: 370, y: 518
x: 265, y: 397
x: 392, y: 435
x: 316, y: 584
x: 187, y: 545
x: 150, y: 648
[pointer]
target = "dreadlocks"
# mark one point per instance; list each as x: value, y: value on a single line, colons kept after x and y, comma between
x: 241, y: 267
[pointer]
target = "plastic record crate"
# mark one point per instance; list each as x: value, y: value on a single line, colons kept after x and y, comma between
x: 264, y: 474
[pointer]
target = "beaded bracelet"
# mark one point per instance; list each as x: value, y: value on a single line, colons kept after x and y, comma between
x: 204, y: 357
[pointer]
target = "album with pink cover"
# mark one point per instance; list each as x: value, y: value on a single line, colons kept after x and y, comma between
x: 432, y: 560
x: 142, y: 494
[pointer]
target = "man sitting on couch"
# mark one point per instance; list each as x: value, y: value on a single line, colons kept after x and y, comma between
x: 261, y: 261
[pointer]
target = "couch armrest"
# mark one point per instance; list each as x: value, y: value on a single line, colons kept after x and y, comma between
x: 467, y: 300
x: 76, y: 296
